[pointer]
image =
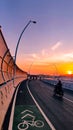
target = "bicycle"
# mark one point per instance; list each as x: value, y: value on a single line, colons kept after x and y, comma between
x: 25, y: 124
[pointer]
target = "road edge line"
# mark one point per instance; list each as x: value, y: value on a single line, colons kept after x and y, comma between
x: 68, y: 99
x: 46, y: 118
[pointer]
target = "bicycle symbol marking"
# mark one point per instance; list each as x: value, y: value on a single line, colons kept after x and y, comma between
x: 24, y: 125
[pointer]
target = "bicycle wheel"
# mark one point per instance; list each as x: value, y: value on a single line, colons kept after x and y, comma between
x: 23, y: 126
x: 39, y: 123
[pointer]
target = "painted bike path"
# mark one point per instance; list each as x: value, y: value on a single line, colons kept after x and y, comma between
x: 26, y: 114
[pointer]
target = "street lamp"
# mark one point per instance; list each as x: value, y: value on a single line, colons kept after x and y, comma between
x: 21, y: 36
x: 18, y: 44
x: 30, y: 67
x: 56, y: 74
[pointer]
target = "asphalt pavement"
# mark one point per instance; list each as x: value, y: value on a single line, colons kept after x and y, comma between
x: 26, y: 114
x: 59, y: 111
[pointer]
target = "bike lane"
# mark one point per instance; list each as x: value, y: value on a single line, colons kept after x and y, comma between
x: 26, y: 114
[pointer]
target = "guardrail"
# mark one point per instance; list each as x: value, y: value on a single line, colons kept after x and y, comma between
x: 7, y: 77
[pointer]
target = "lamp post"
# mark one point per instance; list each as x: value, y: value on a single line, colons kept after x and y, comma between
x: 56, y: 70
x: 18, y: 45
x: 30, y: 67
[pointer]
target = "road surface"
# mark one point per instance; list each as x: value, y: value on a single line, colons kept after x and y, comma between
x: 35, y: 99
x: 26, y: 114
x: 59, y: 112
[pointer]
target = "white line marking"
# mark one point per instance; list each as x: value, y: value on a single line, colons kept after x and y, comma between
x: 26, y: 111
x: 46, y: 118
x: 12, y: 112
x: 68, y: 99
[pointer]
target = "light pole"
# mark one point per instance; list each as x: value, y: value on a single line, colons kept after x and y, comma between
x: 18, y: 45
x: 30, y: 67
x: 56, y: 74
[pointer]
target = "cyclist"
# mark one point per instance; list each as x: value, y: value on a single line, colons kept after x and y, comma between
x: 58, y: 88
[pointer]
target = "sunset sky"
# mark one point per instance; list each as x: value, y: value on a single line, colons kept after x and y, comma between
x: 45, y: 47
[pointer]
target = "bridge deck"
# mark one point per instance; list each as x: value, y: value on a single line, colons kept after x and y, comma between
x: 26, y: 110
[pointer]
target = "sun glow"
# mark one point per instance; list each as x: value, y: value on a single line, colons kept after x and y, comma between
x: 69, y: 72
